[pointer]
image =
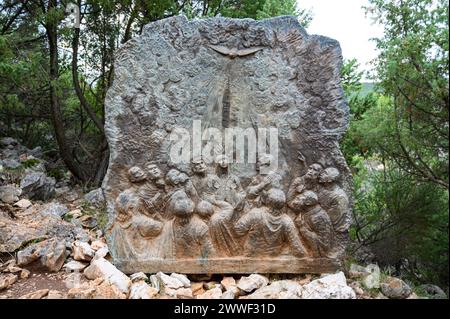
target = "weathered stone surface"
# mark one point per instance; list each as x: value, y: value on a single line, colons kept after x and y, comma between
x: 211, y: 284
x: 182, y: 278
x: 55, y: 294
x: 155, y: 282
x: 357, y: 271
x: 169, y: 281
x: 32, y: 225
x: 287, y: 211
x: 101, y: 268
x: 39, y: 294
x: 283, y: 289
x: 7, y: 265
x: 139, y: 276
x: 197, y: 286
x: 101, y: 253
x: 434, y: 291
x: 11, y: 163
x: 88, y: 221
x: 37, y: 185
x: 95, y: 198
x: 141, y: 290
x: 356, y: 286
x: 24, y: 274
x: 395, y: 288
x: 328, y: 287
x: 180, y: 293
x: 98, y: 244
x: 12, y: 269
x: 228, y: 283
x: 369, y: 275
x: 215, y: 293
x: 55, y: 209
x: 98, y: 289
x: 229, y: 294
x: 7, y: 280
x: 50, y: 254
x: 82, y: 251
x: 10, y: 194
x: 252, y: 282
x: 85, y: 291
x: 75, y: 266
x: 23, y: 203
x: 184, y: 293
x: 6, y: 141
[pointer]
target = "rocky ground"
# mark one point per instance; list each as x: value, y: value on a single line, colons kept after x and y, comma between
x: 52, y: 247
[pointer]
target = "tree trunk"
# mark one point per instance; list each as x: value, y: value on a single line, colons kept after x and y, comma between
x: 57, y: 118
x: 86, y: 105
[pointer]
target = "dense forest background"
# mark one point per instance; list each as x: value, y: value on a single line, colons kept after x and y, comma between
x: 53, y: 81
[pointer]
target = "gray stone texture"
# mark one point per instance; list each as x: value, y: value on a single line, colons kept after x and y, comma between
x: 227, y: 73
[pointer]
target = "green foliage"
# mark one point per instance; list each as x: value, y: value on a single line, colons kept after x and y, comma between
x: 402, y: 219
x: 397, y: 143
x: 263, y: 9
x: 354, y: 142
x: 413, y: 71
x: 30, y: 162
x: 100, y: 214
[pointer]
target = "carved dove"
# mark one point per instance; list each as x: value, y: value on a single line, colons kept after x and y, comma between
x: 232, y: 53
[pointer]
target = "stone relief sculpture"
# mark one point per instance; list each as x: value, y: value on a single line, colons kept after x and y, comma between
x: 290, y: 213
x: 334, y: 200
x: 269, y: 229
x: 134, y: 227
x: 313, y: 223
x: 261, y: 183
x: 230, y: 189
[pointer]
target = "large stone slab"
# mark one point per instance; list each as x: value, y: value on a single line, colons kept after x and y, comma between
x: 181, y: 197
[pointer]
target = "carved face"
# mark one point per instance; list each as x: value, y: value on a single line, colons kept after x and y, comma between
x: 199, y: 167
x: 222, y: 161
x: 173, y: 177
x: 329, y: 175
x: 275, y: 198
x: 153, y: 171
x: 313, y: 172
x: 306, y: 199
x: 204, y: 209
x: 183, y: 178
x: 136, y: 174
x: 125, y: 203
x: 183, y: 208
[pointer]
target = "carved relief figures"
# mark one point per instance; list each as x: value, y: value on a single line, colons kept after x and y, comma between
x: 201, y: 216
x: 183, y: 198
x: 269, y: 228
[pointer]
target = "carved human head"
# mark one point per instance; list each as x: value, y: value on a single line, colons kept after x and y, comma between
x: 222, y: 160
x: 183, y: 208
x: 204, y: 209
x: 173, y: 177
x: 136, y: 174
x: 125, y: 203
x: 313, y: 171
x: 198, y: 166
x: 329, y: 175
x: 275, y: 198
x: 153, y: 171
x: 264, y: 163
x: 309, y: 198
x: 183, y: 177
